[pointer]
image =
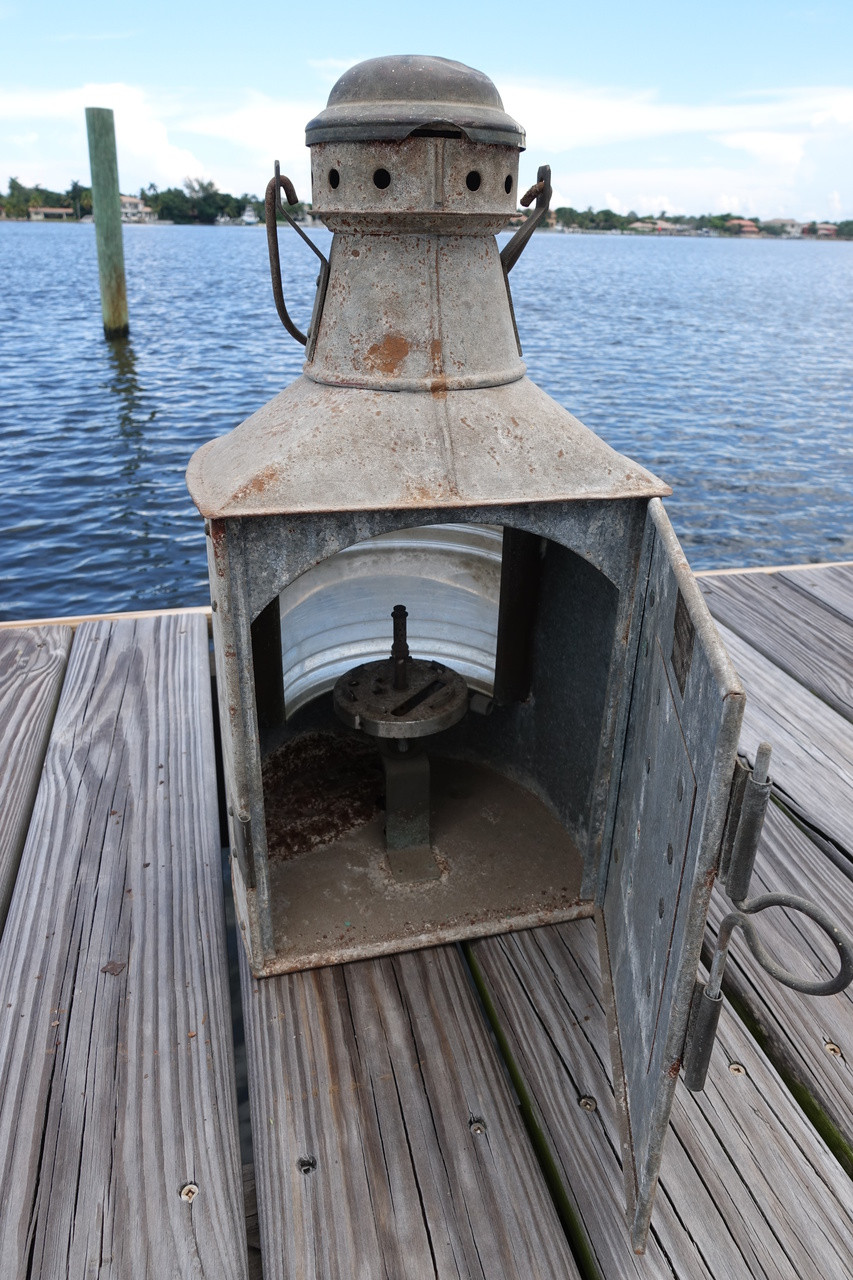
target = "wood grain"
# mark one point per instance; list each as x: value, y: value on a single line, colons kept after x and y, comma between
x: 793, y: 629
x: 747, y: 1189
x: 812, y: 744
x: 809, y: 1039
x: 116, y: 1072
x: 832, y: 585
x: 375, y: 1071
x: 74, y: 620
x: 32, y: 668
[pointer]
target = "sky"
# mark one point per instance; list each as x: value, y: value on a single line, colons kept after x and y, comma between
x: 744, y: 107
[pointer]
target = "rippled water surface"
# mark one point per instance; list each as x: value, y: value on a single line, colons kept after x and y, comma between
x: 724, y: 367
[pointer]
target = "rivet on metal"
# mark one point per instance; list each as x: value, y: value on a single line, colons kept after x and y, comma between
x: 306, y: 1164
x: 832, y: 1049
x: 587, y: 1103
x: 737, y: 1068
x: 477, y: 1125
x: 189, y: 1192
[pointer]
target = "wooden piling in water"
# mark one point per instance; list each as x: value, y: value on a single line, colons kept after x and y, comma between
x: 106, y: 205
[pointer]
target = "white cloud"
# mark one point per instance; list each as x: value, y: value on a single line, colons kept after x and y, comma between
x: 56, y: 150
x: 261, y: 129
x: 789, y: 149
x: 563, y: 117
x: 783, y: 149
x: 682, y: 189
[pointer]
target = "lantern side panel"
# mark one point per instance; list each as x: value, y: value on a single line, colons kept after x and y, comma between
x: 680, y: 748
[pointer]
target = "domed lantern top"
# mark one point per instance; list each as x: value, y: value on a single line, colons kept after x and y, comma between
x: 391, y: 98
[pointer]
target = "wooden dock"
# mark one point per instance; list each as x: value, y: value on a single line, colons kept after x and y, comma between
x: 441, y: 1114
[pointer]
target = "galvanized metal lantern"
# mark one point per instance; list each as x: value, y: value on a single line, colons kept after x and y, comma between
x: 547, y: 726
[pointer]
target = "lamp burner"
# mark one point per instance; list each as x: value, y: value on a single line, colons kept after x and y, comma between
x: 400, y: 696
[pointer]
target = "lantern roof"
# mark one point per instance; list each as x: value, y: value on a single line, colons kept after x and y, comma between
x: 391, y: 98
x: 317, y: 448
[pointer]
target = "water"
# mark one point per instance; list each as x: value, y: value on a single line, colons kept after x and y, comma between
x: 724, y: 367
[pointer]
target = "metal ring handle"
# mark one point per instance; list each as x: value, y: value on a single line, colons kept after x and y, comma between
x: 741, y: 918
x: 272, y: 207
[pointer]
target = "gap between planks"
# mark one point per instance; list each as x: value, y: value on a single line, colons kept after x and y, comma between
x: 747, y: 1189
x: 116, y: 1057
x: 793, y: 629
x: 382, y: 1076
x: 809, y: 1039
x: 32, y: 668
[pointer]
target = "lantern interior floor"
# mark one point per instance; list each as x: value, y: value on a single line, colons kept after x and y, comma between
x: 442, y: 1114
x: 503, y: 861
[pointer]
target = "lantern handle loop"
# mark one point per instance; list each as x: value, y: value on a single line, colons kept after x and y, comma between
x: 272, y: 207
x: 541, y: 193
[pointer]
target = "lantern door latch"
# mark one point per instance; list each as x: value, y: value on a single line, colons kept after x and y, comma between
x: 748, y: 800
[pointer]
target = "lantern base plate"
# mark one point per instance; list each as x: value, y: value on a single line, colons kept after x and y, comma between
x: 504, y: 862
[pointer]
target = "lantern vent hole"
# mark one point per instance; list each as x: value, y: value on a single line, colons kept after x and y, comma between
x: 381, y: 179
x: 508, y: 183
x: 472, y: 182
x: 334, y: 179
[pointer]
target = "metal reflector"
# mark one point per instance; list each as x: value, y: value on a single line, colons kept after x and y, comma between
x: 335, y: 615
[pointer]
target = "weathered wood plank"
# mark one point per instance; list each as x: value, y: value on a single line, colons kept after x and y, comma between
x: 810, y: 1040
x: 74, y: 620
x: 794, y: 630
x: 832, y: 585
x: 377, y: 1073
x: 812, y: 744
x: 116, y: 1073
x: 747, y: 1187
x: 32, y: 668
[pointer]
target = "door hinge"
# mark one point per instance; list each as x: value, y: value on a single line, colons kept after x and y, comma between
x: 747, y: 806
x: 748, y: 800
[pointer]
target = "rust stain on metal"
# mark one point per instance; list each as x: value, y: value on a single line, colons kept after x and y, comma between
x: 317, y: 787
x: 387, y: 356
x: 259, y: 483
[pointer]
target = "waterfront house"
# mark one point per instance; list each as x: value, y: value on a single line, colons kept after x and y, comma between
x: 49, y: 213
x: 134, y: 209
x: 788, y: 226
x: 742, y: 227
x: 826, y: 230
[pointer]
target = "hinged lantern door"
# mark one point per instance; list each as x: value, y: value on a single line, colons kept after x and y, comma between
x: 681, y: 743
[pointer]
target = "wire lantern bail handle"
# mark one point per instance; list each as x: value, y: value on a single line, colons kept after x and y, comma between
x: 272, y: 208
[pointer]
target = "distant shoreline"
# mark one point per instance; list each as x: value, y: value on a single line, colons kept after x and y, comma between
x: 686, y: 234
